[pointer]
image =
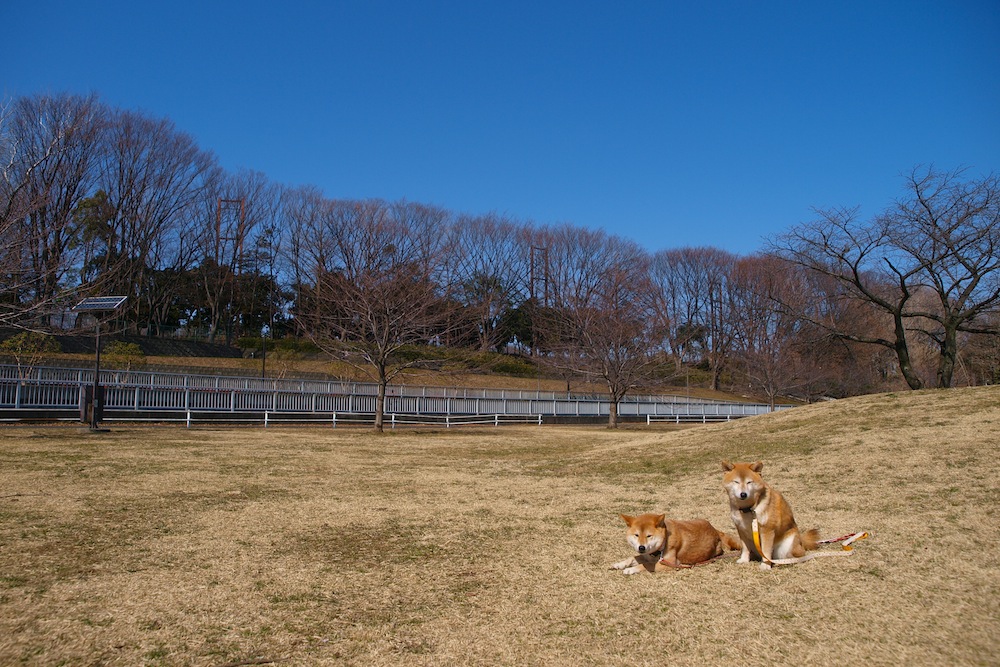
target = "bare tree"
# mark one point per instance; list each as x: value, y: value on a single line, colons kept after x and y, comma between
x: 48, y: 147
x: 692, y: 302
x: 679, y: 304
x: 490, y: 266
x: 839, y: 246
x: 942, y: 239
x: 73, y: 125
x: 305, y: 217
x: 151, y: 176
x: 981, y: 358
x: 772, y: 343
x: 169, y: 280
x: 240, y: 209
x: 373, y: 290
x: 828, y: 364
x: 948, y: 229
x: 600, y: 322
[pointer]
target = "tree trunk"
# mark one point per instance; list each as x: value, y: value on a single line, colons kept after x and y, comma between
x: 903, y: 355
x: 613, y: 412
x: 949, y: 355
x: 380, y: 400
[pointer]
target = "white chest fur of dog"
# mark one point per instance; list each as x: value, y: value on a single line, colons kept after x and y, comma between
x: 751, y: 498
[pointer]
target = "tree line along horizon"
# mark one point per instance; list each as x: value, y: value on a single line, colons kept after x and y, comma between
x: 99, y: 200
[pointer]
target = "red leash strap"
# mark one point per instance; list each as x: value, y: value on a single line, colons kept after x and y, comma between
x: 846, y: 539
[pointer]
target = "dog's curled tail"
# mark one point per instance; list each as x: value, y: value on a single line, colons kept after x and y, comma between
x: 731, y: 542
x: 810, y: 539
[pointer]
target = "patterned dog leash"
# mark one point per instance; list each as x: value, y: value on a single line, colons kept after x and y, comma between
x: 845, y: 541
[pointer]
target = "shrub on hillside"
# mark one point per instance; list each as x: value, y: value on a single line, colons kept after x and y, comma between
x: 28, y: 348
x: 514, y: 366
x: 119, y: 354
x: 283, y: 348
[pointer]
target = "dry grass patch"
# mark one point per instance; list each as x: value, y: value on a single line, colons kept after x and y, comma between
x: 163, y: 546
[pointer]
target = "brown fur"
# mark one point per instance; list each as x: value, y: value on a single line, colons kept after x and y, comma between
x: 663, y: 543
x: 750, y: 496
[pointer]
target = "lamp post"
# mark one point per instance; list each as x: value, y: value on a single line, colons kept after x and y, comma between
x: 97, y: 305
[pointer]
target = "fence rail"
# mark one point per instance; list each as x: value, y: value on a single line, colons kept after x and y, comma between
x: 275, y: 400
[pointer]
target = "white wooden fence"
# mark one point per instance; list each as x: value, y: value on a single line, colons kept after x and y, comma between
x: 152, y: 395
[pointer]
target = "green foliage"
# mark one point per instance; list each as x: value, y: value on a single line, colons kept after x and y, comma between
x: 28, y: 348
x: 411, y: 354
x: 514, y: 366
x: 122, y: 354
x: 465, y: 360
x: 30, y: 344
x: 250, y: 343
x: 290, y: 347
x: 426, y: 356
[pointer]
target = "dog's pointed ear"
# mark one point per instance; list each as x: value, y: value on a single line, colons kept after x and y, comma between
x: 661, y: 520
x: 727, y: 466
x: 627, y: 519
x: 757, y: 466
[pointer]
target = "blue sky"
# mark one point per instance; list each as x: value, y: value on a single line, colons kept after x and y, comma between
x: 671, y: 123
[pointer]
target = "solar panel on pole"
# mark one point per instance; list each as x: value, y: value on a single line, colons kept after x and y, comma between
x: 95, y: 402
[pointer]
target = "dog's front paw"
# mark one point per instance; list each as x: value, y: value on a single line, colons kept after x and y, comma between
x: 622, y: 564
x: 765, y: 566
x: 744, y: 558
x: 635, y: 569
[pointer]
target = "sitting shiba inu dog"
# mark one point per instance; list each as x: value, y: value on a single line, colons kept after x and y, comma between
x: 661, y: 543
x: 751, y: 500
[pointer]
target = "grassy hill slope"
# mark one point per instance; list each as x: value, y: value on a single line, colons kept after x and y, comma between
x: 165, y: 546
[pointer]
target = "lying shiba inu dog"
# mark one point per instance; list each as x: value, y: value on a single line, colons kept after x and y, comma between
x: 752, y: 499
x: 661, y: 543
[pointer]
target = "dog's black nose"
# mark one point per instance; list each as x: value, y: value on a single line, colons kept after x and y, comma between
x: 743, y: 495
x: 642, y: 547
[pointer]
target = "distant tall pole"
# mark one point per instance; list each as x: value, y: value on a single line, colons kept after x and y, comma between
x: 97, y: 374
x: 540, y: 265
x: 226, y: 232
x: 270, y: 308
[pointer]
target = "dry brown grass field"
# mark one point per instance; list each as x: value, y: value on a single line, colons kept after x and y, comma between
x: 156, y: 545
